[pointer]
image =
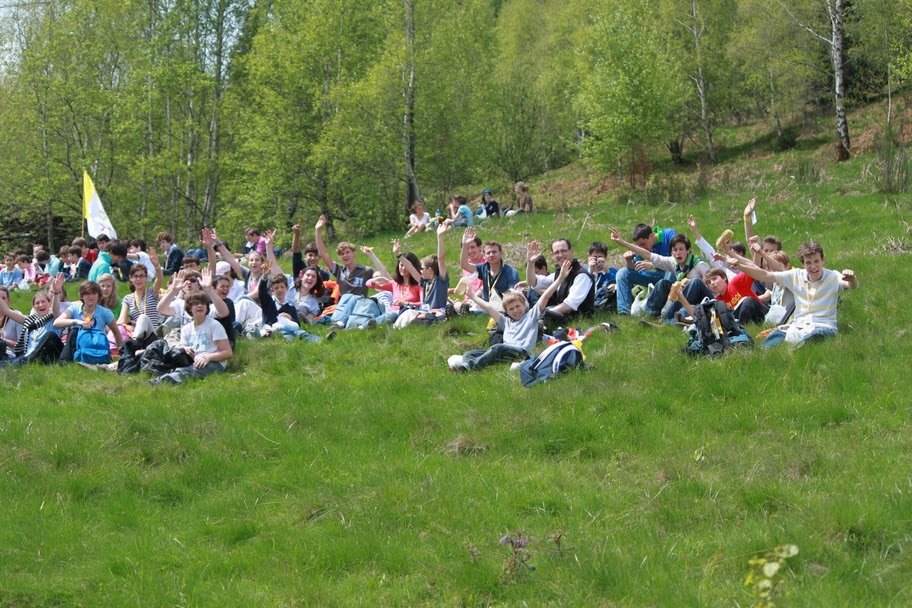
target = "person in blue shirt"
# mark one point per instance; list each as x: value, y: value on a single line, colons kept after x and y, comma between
x: 641, y: 272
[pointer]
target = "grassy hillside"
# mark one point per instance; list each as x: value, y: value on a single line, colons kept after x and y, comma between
x: 363, y: 472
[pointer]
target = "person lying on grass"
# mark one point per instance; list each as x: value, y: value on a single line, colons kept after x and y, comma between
x: 815, y: 289
x: 203, y: 339
x: 519, y: 325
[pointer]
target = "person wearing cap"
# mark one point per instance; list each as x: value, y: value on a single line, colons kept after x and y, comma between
x: 638, y: 271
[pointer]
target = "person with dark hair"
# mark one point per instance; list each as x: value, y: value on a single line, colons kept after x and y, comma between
x: 86, y: 316
x: 310, y: 257
x: 638, y: 271
x: 108, y: 258
x: 496, y: 276
x: 174, y: 257
x: 203, y: 339
x: 682, y: 264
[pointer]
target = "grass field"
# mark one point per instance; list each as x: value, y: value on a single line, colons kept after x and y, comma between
x: 363, y: 472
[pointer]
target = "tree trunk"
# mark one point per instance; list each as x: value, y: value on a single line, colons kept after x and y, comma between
x: 676, y: 148
x: 836, y: 12
x: 408, y: 133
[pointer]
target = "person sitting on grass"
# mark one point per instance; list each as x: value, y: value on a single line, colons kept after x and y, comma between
x: 738, y: 295
x: 418, y: 220
x: 640, y: 271
x: 519, y: 325
x: 351, y: 276
x: 139, y: 316
x: 434, y: 285
x: 37, y: 340
x: 576, y: 296
x: 88, y: 315
x: 311, y: 294
x: 186, y: 283
x: 203, y: 339
x: 9, y: 327
x: 496, y: 276
x: 682, y: 263
x: 404, y: 286
x: 815, y: 289
x: 279, y: 316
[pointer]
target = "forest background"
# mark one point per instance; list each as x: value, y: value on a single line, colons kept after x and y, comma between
x: 242, y: 112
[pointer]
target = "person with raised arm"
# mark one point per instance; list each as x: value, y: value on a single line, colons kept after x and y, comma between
x: 496, y: 277
x: 577, y: 294
x: 351, y: 276
x: 434, y: 281
x: 519, y: 324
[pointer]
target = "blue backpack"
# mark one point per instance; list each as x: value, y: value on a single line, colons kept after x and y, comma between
x: 557, y: 358
x: 92, y: 346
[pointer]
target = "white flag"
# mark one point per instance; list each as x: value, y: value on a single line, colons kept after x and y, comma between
x: 96, y: 218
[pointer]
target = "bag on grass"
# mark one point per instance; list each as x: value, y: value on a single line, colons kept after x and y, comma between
x: 557, y: 358
x: 92, y: 346
x: 715, y: 330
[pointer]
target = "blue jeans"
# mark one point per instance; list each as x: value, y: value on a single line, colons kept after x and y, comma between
x: 499, y: 353
x: 627, y: 278
x: 777, y: 336
x: 344, y: 308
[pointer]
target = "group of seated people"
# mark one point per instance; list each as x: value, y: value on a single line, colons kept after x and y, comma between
x: 214, y: 294
x: 460, y: 214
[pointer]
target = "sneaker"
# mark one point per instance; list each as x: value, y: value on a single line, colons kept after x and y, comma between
x: 338, y: 325
x: 609, y: 327
x: 331, y: 335
x: 515, y: 366
x: 457, y: 363
x: 90, y: 366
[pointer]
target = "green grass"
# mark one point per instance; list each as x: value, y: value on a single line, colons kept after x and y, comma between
x: 363, y: 472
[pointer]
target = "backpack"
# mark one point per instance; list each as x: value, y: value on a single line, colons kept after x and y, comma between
x: 557, y: 358
x: 715, y: 330
x: 92, y: 346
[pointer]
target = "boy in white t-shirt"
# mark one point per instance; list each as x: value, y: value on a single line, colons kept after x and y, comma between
x: 520, y: 327
x: 203, y: 339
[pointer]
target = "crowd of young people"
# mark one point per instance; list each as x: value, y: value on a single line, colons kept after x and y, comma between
x: 190, y: 328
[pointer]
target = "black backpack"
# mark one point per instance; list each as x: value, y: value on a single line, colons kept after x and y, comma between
x: 715, y: 330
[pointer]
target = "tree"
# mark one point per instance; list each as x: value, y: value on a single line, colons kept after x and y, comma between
x: 833, y: 37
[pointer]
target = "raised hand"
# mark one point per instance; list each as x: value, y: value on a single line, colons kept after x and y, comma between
x: 397, y: 248
x: 269, y: 236
x: 468, y: 236
x: 153, y: 256
x: 320, y: 223
x: 366, y: 250
x: 751, y: 206
x: 296, y: 229
x: 565, y: 269
x: 443, y: 227
x: 533, y: 250
x: 206, y: 237
x: 615, y: 235
x: 206, y: 280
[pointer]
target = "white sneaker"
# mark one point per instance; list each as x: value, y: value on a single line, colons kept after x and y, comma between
x: 456, y: 362
x: 515, y: 366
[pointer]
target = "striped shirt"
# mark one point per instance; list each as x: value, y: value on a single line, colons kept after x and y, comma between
x: 32, y: 324
x: 147, y: 305
x: 815, y: 301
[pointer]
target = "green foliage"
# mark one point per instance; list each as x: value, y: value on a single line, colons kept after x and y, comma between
x: 630, y: 90
x: 892, y: 169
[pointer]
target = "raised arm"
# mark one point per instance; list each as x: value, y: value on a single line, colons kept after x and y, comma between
x: 221, y: 309
x: 410, y: 268
x: 564, y: 273
x: 164, y: 305
x: 321, y: 248
x: 378, y: 265
x: 274, y: 268
x: 849, y: 280
x: 228, y: 256
x: 14, y: 314
x: 441, y: 249
x: 296, y: 237
x: 467, y: 237
x: 749, y: 219
x: 643, y: 253
x: 757, y: 249
x: 482, y: 304
x: 532, y: 252
x: 746, y: 266
x: 159, y: 275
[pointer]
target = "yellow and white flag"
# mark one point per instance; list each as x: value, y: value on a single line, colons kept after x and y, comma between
x: 96, y: 218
